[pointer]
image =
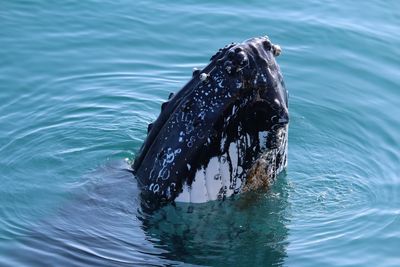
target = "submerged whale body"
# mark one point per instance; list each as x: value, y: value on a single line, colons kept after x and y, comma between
x: 223, y: 133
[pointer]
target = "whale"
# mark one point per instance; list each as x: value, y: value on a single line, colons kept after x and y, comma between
x: 224, y: 133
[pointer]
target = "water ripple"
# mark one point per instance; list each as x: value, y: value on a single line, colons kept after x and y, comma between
x: 79, y: 84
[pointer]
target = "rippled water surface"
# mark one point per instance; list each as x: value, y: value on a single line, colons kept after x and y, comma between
x: 80, y: 81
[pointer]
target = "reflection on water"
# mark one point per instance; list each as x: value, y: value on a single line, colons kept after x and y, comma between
x: 102, y: 226
x: 247, y: 231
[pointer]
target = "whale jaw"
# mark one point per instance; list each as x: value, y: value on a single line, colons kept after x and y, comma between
x: 213, y: 181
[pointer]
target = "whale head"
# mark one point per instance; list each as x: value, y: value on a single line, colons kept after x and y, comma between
x: 223, y: 133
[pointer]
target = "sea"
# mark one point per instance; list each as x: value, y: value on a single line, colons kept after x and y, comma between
x: 81, y: 80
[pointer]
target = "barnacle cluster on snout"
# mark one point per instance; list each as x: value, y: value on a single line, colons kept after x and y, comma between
x: 251, y: 63
x: 253, y: 53
x: 236, y: 59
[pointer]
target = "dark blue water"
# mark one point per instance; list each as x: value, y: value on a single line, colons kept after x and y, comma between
x: 80, y: 81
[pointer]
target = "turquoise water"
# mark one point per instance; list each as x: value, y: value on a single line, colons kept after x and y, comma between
x: 80, y: 81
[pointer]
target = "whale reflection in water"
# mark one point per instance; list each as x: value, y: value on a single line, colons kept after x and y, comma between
x: 249, y: 231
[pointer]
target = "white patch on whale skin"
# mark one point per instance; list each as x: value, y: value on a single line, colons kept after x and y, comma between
x: 233, y: 154
x: 262, y: 136
x: 238, y: 184
x: 216, y: 181
x: 225, y: 174
x: 184, y: 196
x: 213, y: 178
x: 208, y: 182
x: 198, y: 191
x: 223, y: 140
x: 234, y: 108
x: 285, y: 149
